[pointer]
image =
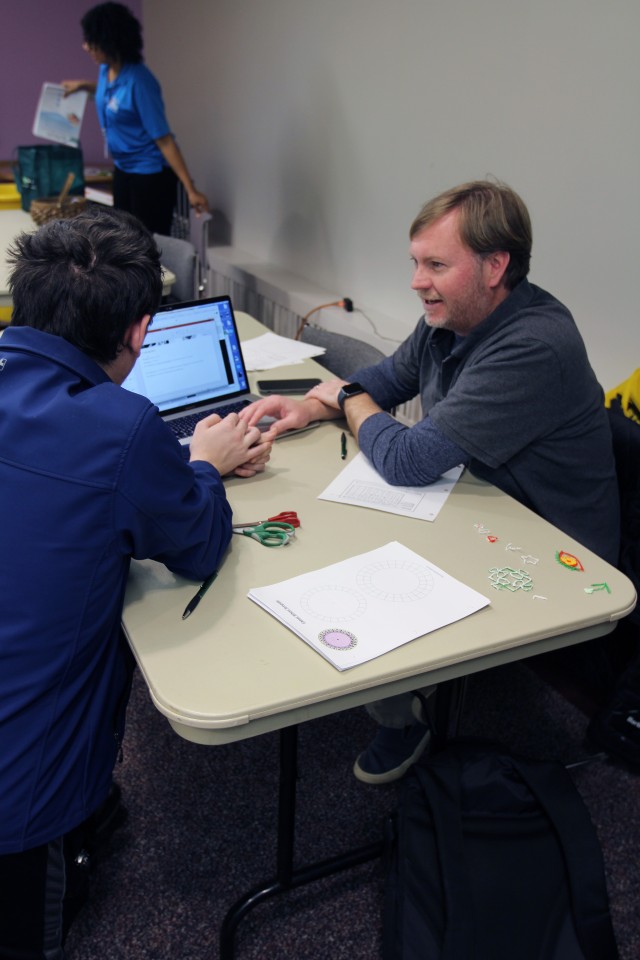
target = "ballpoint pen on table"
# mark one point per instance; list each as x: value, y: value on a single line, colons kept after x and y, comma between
x: 193, y: 603
x: 343, y: 446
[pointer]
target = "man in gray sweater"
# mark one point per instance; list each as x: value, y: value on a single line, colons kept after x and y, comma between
x: 506, y: 389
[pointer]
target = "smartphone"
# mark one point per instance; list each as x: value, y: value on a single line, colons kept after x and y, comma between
x: 301, y: 385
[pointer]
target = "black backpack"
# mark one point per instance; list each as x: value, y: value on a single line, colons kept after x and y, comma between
x: 494, y: 857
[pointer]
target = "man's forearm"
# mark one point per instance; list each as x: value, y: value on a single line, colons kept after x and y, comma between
x: 358, y: 409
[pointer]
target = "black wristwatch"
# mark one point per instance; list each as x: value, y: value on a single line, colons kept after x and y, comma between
x: 349, y: 390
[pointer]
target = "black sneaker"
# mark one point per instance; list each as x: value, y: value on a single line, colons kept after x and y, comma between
x: 617, y: 730
x: 391, y: 753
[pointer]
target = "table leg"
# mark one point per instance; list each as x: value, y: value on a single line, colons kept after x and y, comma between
x: 286, y: 877
x: 448, y: 710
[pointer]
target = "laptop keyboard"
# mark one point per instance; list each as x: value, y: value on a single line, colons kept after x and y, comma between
x: 183, y: 427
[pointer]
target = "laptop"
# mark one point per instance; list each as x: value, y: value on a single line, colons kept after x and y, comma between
x: 191, y: 365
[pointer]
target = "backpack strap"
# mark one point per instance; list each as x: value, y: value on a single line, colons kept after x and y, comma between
x: 558, y: 796
x: 441, y: 789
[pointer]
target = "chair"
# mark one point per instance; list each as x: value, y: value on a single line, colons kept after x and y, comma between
x: 200, y: 227
x: 614, y: 728
x: 344, y: 354
x: 180, y: 257
x: 625, y: 433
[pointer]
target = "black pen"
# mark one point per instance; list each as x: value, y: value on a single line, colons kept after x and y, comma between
x: 343, y: 446
x: 193, y: 603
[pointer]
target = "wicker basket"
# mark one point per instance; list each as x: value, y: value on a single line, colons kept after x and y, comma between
x: 50, y: 208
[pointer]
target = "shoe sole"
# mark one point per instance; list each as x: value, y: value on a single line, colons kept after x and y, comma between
x: 389, y: 776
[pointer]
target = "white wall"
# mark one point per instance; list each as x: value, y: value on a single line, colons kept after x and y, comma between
x: 319, y: 128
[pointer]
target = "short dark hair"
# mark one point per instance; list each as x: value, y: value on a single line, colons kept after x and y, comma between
x: 86, y: 279
x: 114, y: 29
x: 492, y: 217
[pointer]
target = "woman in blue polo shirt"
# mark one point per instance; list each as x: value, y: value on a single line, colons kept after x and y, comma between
x: 147, y: 159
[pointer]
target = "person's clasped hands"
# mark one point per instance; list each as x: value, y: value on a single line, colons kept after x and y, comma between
x: 231, y: 445
x: 320, y: 403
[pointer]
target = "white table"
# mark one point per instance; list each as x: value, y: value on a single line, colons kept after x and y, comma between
x: 232, y: 671
x: 14, y: 222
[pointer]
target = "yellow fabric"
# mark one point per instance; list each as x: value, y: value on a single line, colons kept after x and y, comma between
x: 629, y: 393
x: 9, y: 197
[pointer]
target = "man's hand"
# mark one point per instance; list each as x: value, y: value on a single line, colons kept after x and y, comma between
x: 290, y: 414
x: 230, y: 445
x: 327, y: 393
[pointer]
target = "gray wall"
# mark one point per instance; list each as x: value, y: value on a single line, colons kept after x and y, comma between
x: 319, y: 128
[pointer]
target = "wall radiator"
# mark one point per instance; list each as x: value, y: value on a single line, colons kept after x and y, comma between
x: 278, y: 302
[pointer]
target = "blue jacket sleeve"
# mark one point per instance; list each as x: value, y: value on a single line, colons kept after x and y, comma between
x: 167, y: 509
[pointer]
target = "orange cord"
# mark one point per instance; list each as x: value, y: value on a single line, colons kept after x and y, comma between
x: 305, y: 319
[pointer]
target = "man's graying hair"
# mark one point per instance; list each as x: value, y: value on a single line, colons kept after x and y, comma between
x: 492, y: 218
x: 86, y: 279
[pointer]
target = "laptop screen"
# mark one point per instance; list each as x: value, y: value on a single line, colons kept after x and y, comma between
x: 191, y: 355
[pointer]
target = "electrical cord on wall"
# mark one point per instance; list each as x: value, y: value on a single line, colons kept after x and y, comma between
x: 347, y: 304
x: 373, y: 326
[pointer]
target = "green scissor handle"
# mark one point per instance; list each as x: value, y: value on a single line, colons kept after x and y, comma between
x: 270, y: 534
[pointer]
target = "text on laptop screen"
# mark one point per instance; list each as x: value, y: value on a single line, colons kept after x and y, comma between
x: 189, y: 355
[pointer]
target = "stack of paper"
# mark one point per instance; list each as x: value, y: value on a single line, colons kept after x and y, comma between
x: 99, y: 196
x: 270, y: 350
x: 360, y: 608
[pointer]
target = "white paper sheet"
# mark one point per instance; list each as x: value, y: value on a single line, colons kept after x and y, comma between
x: 362, y: 486
x: 59, y: 118
x: 361, y: 608
x: 270, y: 350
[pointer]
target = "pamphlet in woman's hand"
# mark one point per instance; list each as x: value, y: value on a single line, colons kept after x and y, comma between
x: 59, y: 118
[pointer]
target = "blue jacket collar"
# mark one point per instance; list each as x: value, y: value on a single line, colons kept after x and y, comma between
x: 54, y: 349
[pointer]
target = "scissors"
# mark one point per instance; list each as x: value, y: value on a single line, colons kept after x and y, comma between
x: 269, y: 533
x: 287, y: 516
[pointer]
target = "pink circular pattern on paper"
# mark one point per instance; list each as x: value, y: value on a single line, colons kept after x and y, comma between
x: 337, y: 639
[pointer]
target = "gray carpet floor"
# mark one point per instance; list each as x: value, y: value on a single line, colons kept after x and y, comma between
x: 201, y: 831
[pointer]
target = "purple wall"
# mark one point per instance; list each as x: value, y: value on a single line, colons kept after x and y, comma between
x: 40, y: 41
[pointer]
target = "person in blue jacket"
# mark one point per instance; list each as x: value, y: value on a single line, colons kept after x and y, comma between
x: 91, y: 476
x: 506, y: 389
x: 147, y: 159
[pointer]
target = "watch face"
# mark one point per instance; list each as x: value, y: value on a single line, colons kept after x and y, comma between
x: 349, y: 390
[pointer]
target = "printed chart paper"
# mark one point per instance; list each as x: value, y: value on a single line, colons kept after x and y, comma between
x: 360, y: 608
x: 59, y: 118
x: 362, y: 486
